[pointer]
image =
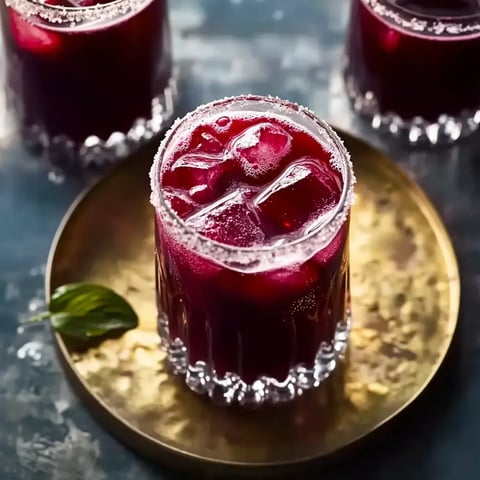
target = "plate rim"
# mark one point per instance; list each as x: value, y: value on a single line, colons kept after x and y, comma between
x: 156, y: 449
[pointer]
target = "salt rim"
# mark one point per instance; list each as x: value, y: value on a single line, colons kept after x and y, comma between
x: 262, y: 257
x: 72, y: 16
x: 424, y: 23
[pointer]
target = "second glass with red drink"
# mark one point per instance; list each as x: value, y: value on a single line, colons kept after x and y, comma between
x: 88, y: 81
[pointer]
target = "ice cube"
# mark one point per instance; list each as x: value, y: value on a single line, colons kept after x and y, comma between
x: 179, y: 201
x: 31, y: 37
x: 273, y: 287
x: 202, y: 175
x: 305, y: 192
x: 332, y: 254
x: 230, y: 220
x: 260, y: 148
x: 204, y: 141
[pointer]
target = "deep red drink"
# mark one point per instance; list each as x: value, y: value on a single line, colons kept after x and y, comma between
x: 413, y: 64
x: 252, y: 199
x: 78, y: 69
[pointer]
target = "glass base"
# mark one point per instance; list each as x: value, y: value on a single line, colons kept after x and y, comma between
x: 446, y: 129
x: 97, y: 154
x: 231, y: 389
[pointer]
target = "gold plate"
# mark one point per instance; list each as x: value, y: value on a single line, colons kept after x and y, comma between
x: 405, y: 293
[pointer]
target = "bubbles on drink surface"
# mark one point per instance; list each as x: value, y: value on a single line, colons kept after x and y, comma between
x: 222, y: 122
x: 260, y: 148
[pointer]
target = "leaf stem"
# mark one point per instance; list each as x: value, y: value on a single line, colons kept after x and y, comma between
x: 36, y: 319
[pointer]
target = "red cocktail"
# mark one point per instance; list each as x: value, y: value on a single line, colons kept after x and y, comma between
x: 412, y: 66
x: 88, y: 80
x: 252, y: 198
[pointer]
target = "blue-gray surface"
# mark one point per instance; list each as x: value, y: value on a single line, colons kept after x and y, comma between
x: 290, y: 48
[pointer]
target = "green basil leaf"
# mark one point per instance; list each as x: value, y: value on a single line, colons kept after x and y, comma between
x: 85, y: 311
x: 84, y: 327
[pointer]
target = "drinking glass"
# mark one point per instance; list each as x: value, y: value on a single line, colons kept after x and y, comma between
x: 412, y: 67
x: 252, y: 200
x: 88, y: 82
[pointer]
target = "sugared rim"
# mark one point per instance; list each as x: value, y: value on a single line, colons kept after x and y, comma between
x: 422, y: 24
x: 72, y: 16
x: 262, y: 257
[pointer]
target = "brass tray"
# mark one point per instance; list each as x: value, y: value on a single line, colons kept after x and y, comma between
x: 405, y: 293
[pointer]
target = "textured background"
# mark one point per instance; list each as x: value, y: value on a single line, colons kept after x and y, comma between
x: 225, y: 47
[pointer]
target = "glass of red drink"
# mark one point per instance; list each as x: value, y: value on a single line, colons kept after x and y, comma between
x: 88, y: 81
x: 252, y: 200
x: 412, y: 66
